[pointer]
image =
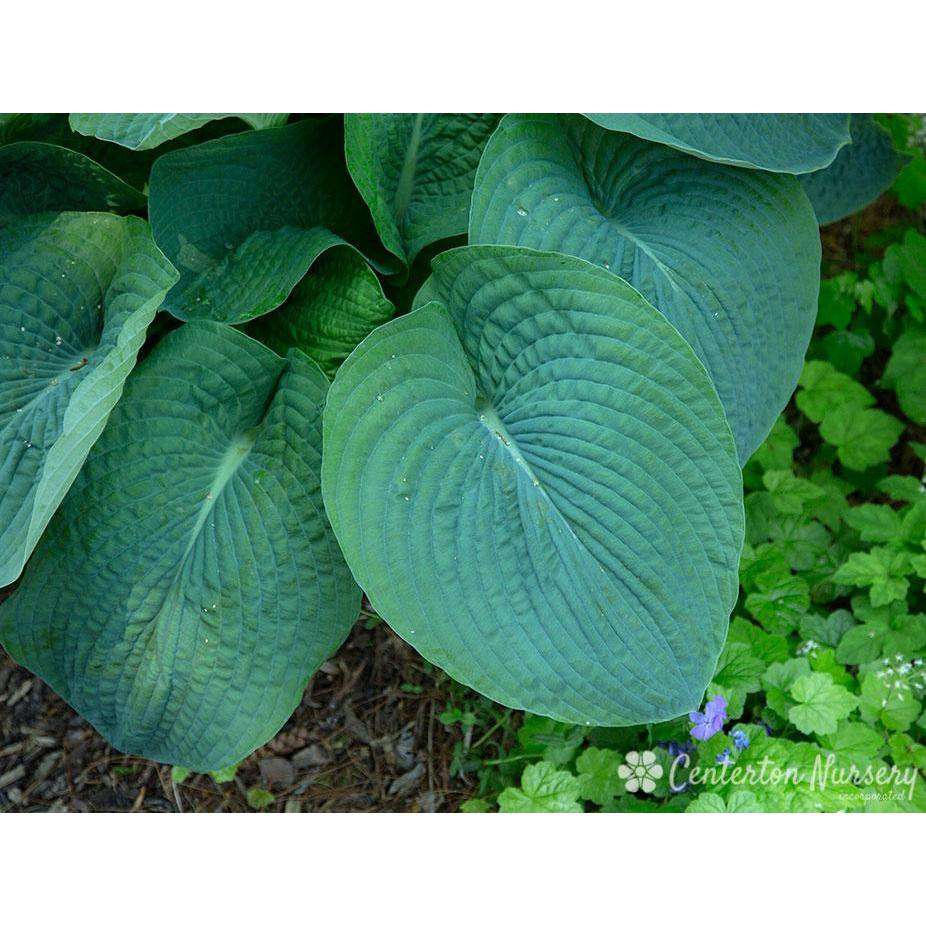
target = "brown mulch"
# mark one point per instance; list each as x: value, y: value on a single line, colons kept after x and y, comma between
x: 842, y: 240
x: 357, y: 742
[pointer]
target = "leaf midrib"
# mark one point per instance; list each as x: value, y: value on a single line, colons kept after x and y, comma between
x: 490, y: 419
x: 235, y: 454
x: 403, y: 192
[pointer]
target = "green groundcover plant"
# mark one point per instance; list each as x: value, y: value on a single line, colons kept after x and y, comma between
x: 508, y: 377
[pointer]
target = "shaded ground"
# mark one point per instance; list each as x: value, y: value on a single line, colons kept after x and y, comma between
x: 358, y: 742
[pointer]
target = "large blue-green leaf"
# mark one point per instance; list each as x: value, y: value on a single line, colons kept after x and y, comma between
x: 77, y: 293
x: 534, y: 482
x: 190, y: 584
x: 789, y: 143
x: 416, y: 172
x: 329, y: 313
x: 730, y: 257
x: 245, y: 216
x: 861, y: 172
x: 139, y: 131
x: 36, y: 177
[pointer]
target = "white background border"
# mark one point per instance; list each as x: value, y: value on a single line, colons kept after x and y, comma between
x: 492, y: 870
x: 499, y: 56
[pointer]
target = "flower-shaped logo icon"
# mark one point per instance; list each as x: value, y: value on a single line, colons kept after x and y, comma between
x: 640, y: 771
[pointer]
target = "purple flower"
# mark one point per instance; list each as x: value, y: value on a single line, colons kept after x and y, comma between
x: 740, y: 739
x: 676, y: 749
x: 711, y: 721
x: 724, y: 758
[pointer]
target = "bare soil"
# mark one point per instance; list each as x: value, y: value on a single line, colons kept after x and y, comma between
x: 357, y: 742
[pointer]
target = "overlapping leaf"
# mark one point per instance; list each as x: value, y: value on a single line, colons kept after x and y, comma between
x: 534, y: 482
x: 244, y: 217
x: 77, y: 293
x: 861, y: 172
x: 139, y: 131
x: 730, y: 257
x: 790, y: 143
x: 329, y: 313
x: 190, y: 584
x: 416, y: 172
x: 36, y: 177
x: 132, y: 167
x: 906, y: 373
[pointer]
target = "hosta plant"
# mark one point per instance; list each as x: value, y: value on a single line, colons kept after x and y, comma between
x: 500, y: 374
x: 817, y: 700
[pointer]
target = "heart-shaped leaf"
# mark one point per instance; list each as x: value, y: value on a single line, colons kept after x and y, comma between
x: 790, y: 143
x: 730, y: 257
x: 245, y: 216
x: 534, y: 482
x: 36, y: 177
x: 190, y: 584
x: 329, y: 313
x: 416, y: 172
x: 77, y: 293
x: 861, y: 172
x: 139, y: 131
